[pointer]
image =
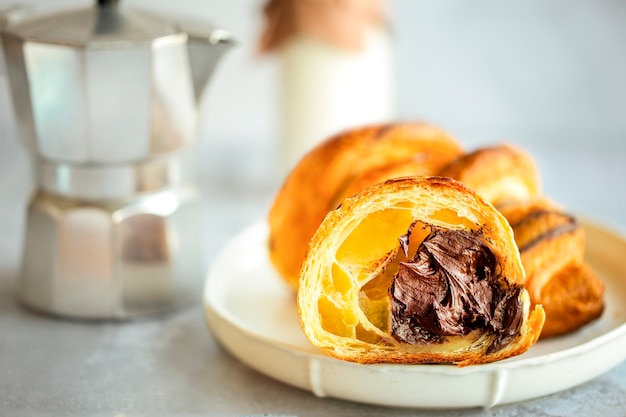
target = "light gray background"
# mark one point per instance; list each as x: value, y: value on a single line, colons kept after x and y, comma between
x: 549, y: 76
x: 524, y: 71
x: 483, y: 69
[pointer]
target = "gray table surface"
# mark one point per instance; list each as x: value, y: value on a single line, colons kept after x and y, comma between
x: 172, y: 366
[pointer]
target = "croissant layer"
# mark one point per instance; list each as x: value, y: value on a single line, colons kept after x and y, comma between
x: 338, y: 168
x: 502, y: 174
x: 552, y: 248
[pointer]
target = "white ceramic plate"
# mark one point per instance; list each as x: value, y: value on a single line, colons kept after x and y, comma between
x: 253, y: 314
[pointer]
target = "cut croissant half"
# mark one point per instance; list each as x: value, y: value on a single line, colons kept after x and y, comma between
x: 552, y: 246
x: 416, y: 270
x: 502, y: 174
x: 341, y: 166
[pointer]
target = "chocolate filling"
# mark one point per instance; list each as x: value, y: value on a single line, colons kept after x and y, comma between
x: 451, y: 287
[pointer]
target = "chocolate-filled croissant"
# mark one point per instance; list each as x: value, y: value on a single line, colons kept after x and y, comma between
x: 341, y: 166
x: 416, y: 270
x: 552, y: 247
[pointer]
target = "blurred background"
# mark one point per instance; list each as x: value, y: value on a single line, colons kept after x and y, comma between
x: 547, y: 76
x: 484, y: 70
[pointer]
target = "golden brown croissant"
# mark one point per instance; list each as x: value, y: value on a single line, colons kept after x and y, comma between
x: 552, y: 245
x: 551, y: 242
x: 416, y: 270
x: 502, y: 174
x: 341, y: 166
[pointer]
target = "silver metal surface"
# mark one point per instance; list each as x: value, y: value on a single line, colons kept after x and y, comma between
x: 112, y: 260
x: 108, y: 84
x: 115, y: 181
x: 106, y: 100
x: 102, y: 105
x: 94, y: 26
x: 205, y: 46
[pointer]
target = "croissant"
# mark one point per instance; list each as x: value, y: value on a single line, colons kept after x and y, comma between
x: 552, y: 247
x: 416, y: 270
x: 550, y: 241
x: 339, y: 167
x: 502, y: 174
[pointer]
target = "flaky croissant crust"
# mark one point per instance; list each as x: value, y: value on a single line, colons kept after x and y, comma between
x: 552, y: 248
x: 351, y: 249
x: 502, y: 174
x: 341, y: 166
